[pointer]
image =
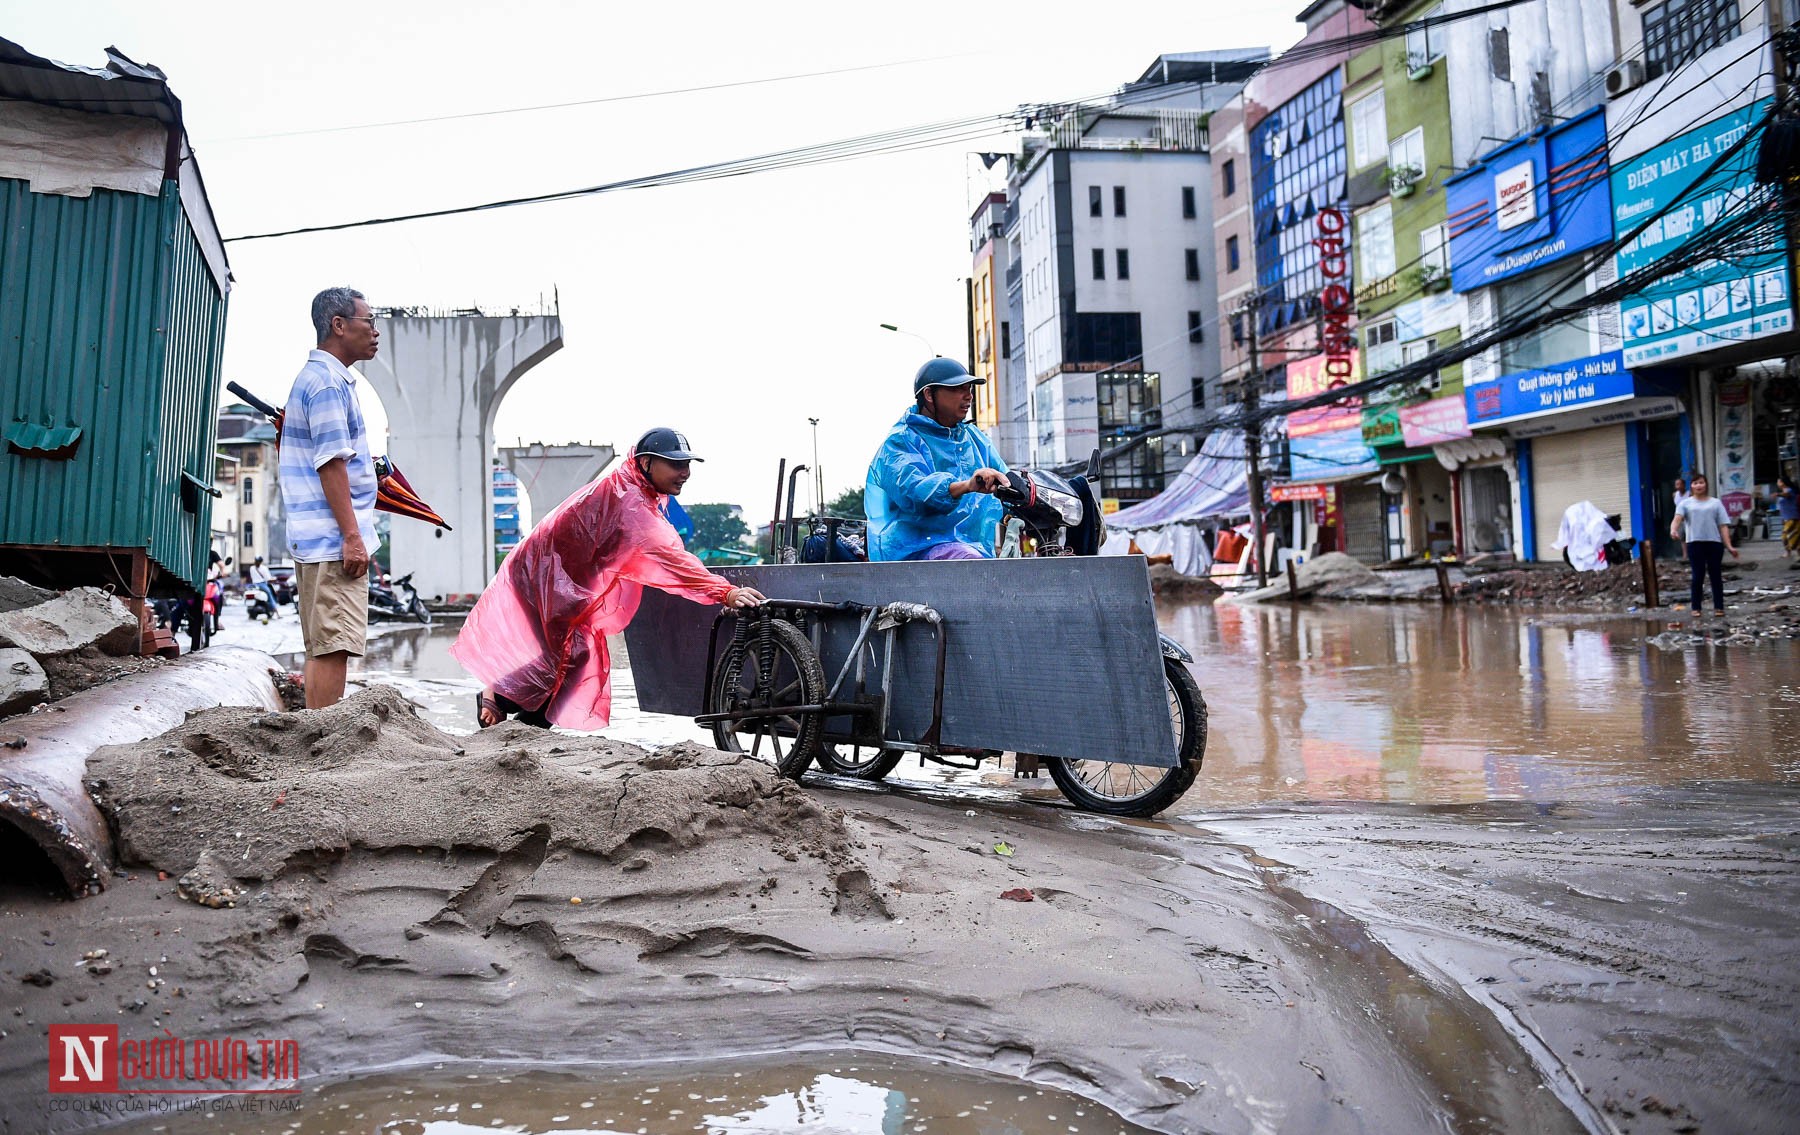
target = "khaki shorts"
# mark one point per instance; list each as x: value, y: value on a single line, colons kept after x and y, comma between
x: 334, y: 609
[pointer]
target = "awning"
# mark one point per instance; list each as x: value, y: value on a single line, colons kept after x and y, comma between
x: 1214, y: 484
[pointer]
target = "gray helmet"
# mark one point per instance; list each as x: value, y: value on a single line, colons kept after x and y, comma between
x: 667, y: 444
x: 943, y: 372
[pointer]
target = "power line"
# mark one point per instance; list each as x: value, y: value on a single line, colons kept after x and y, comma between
x: 641, y: 95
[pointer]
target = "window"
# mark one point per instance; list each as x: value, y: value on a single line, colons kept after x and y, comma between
x: 252, y: 457
x: 1299, y: 166
x: 1381, y: 349
x: 1229, y: 172
x: 1124, y: 265
x: 1408, y: 153
x: 1231, y: 254
x: 1006, y: 340
x: 1368, y: 129
x: 1414, y: 351
x: 1099, y: 263
x: 249, y: 534
x: 1375, y: 243
x: 1118, y: 200
x: 1188, y: 209
x: 249, y: 490
x: 1193, y: 264
x: 1199, y: 393
x: 1423, y: 44
x: 1237, y: 328
x: 1434, y: 249
x: 1093, y: 200
x: 1500, y: 54
x: 1679, y: 30
x: 1196, y: 334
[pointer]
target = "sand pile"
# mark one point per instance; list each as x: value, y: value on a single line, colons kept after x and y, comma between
x: 234, y: 798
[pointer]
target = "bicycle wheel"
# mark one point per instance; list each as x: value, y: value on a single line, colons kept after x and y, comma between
x: 1116, y: 789
x: 771, y: 667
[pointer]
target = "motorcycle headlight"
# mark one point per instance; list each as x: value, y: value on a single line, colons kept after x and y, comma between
x: 1067, y: 505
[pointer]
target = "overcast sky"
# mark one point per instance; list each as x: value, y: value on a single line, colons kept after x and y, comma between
x: 734, y: 309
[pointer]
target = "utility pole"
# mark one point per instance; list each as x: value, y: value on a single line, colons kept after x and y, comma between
x: 1253, y: 444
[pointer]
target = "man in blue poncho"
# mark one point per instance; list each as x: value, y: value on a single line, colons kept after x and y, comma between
x: 928, y: 492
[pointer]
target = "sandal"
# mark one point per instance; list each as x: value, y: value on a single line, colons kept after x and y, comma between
x: 485, y: 703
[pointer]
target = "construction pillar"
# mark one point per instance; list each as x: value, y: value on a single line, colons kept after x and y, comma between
x: 551, y: 474
x: 441, y: 380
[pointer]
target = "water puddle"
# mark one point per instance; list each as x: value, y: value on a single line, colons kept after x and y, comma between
x: 865, y: 1094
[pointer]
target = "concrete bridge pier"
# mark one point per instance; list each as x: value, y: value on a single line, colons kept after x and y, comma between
x: 551, y: 474
x: 441, y: 380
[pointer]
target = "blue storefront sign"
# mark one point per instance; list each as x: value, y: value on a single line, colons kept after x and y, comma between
x: 1592, y: 381
x: 1722, y: 301
x: 1330, y: 456
x: 1530, y: 203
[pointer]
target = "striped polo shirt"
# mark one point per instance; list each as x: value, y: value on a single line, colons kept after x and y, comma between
x: 322, y: 422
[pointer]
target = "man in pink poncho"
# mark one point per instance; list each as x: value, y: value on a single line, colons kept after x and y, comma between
x: 537, y: 638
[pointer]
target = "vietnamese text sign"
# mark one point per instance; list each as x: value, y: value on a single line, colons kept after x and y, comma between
x: 1733, y: 484
x: 1548, y: 390
x: 1282, y: 493
x: 1530, y: 203
x: 1720, y: 301
x: 1307, y: 378
x: 1434, y: 422
x: 1333, y: 455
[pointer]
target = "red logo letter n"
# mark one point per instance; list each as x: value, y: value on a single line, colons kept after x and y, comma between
x: 84, y: 1058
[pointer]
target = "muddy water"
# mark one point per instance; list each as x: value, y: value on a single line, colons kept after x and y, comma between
x: 1399, y: 703
x: 859, y: 1093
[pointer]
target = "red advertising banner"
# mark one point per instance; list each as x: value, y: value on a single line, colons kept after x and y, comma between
x: 1279, y: 493
x: 1307, y: 378
x: 1439, y: 420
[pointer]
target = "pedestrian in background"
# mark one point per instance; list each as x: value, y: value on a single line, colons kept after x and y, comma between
x: 1787, y: 505
x: 1708, y: 539
x: 328, y: 492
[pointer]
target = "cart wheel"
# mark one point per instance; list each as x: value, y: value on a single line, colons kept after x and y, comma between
x: 771, y: 666
x: 864, y: 762
x: 1117, y: 789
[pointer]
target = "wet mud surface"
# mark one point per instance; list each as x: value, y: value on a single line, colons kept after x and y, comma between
x: 1443, y: 871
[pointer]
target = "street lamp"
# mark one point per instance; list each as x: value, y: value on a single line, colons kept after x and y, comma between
x: 818, y: 473
x: 914, y: 334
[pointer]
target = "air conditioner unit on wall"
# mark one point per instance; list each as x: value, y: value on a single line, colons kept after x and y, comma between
x: 1627, y: 76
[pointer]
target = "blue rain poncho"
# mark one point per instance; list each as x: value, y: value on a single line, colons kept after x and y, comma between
x: 907, y: 496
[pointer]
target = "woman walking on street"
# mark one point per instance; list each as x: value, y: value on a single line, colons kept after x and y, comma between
x: 1787, y: 504
x: 1708, y: 539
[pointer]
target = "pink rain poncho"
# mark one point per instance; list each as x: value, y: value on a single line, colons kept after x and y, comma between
x: 538, y: 635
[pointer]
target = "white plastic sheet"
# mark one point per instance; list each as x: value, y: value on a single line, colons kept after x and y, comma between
x: 73, y: 153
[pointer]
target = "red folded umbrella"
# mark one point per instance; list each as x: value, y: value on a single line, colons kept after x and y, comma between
x: 393, y: 493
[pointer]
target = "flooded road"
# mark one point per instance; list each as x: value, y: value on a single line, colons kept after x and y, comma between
x: 1396, y: 703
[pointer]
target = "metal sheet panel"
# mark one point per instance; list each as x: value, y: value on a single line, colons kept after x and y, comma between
x: 98, y: 297
x: 1057, y: 657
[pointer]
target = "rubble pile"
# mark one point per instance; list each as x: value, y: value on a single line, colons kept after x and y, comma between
x: 1760, y: 604
x: 53, y: 644
x: 1564, y: 586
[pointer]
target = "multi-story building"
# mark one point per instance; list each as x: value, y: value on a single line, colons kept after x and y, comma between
x: 990, y: 331
x: 508, y: 526
x: 247, y: 517
x: 1111, y: 293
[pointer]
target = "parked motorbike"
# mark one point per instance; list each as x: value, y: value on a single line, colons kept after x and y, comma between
x: 397, y: 601
x: 212, y: 601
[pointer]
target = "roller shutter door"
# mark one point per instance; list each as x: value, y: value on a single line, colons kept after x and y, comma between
x: 1365, y: 532
x: 1585, y: 465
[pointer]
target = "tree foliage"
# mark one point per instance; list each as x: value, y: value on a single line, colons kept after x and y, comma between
x: 848, y: 503
x: 717, y: 526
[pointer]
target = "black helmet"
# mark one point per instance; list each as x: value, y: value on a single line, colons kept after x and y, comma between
x: 943, y: 372
x: 667, y: 444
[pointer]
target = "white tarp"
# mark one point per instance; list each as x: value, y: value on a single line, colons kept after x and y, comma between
x: 72, y: 153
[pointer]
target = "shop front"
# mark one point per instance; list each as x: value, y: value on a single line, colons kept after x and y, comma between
x: 1580, y: 431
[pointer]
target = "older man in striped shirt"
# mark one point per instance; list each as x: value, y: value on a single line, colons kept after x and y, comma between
x: 328, y: 491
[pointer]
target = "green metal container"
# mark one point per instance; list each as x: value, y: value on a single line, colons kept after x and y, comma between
x: 111, y: 334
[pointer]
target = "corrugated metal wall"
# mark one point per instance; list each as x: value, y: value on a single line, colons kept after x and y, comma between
x: 193, y: 342
x: 90, y: 313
